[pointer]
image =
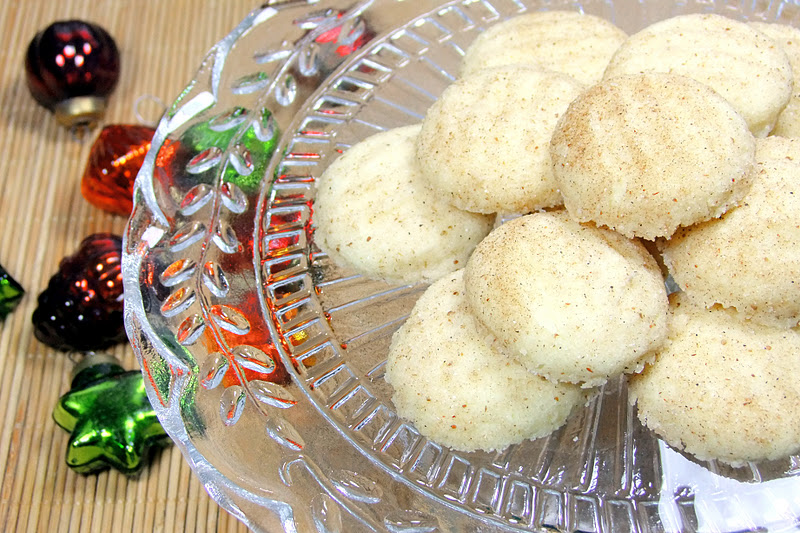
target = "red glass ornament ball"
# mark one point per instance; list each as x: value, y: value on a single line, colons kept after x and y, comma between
x: 114, y: 161
x: 71, y: 67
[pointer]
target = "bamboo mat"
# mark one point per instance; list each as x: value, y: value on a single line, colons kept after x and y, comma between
x: 43, y: 217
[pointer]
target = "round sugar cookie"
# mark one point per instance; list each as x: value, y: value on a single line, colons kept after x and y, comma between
x: 451, y: 381
x: 722, y: 388
x: 788, y: 37
x: 574, y: 43
x: 749, y: 259
x: 375, y: 214
x: 647, y: 153
x: 575, y: 302
x: 742, y: 64
x: 484, y: 144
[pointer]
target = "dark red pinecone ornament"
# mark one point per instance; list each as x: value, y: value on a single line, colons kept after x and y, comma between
x: 81, y: 309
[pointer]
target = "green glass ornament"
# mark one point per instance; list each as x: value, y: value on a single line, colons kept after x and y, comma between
x: 11, y: 293
x: 109, y: 417
x: 258, y: 142
x: 216, y: 132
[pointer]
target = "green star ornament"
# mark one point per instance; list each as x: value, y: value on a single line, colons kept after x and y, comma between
x: 111, y: 421
x: 11, y: 293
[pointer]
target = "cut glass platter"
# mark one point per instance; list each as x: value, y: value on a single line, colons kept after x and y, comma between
x: 264, y: 360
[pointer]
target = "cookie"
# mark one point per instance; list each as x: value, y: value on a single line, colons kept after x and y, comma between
x: 722, y: 388
x: 788, y: 37
x: 458, y: 388
x: 750, y: 258
x: 484, y: 144
x: 647, y: 153
x: 743, y: 65
x: 574, y: 43
x: 375, y: 214
x: 574, y: 302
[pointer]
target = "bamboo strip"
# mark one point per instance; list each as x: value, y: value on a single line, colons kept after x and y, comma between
x: 43, y: 218
x: 36, y: 405
x: 56, y: 473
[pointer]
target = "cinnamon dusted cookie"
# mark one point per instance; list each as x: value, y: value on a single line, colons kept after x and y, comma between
x: 743, y: 65
x: 574, y: 43
x: 484, y: 145
x: 574, y: 302
x: 647, y: 153
x: 452, y: 380
x: 788, y: 37
x: 749, y: 259
x: 374, y: 213
x: 722, y: 388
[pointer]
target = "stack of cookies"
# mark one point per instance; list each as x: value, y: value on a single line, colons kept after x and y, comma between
x: 619, y: 160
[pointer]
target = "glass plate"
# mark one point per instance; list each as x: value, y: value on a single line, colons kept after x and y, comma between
x: 264, y: 360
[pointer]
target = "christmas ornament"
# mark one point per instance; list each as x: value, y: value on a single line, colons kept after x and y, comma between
x: 114, y: 161
x: 81, y: 309
x: 11, y: 293
x: 216, y: 132
x: 109, y: 417
x: 71, y: 67
x: 252, y: 152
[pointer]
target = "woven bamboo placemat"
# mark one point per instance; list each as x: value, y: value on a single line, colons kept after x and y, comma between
x: 43, y: 217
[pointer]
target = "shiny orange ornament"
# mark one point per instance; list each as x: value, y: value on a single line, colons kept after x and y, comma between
x: 114, y: 161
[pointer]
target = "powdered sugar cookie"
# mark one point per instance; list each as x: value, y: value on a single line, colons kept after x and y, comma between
x: 742, y: 64
x: 576, y: 303
x: 576, y: 44
x: 647, y: 153
x: 458, y: 389
x: 374, y: 213
x: 484, y: 144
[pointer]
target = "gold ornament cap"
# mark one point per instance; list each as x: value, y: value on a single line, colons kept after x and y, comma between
x: 80, y: 112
